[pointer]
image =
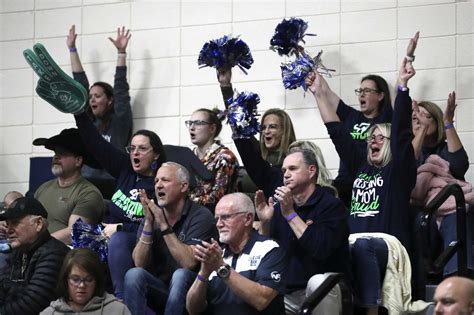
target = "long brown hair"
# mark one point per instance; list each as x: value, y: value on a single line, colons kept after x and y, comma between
x: 287, y: 137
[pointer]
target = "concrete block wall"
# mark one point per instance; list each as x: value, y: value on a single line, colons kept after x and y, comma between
x: 358, y: 37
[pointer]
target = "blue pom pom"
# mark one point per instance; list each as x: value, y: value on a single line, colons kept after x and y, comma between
x: 242, y: 115
x: 226, y: 52
x: 90, y: 236
x: 287, y: 36
x: 294, y: 73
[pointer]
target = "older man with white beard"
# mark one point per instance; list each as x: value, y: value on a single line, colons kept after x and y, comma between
x: 69, y: 196
x: 248, y: 276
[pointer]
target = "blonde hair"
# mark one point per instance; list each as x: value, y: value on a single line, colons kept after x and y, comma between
x: 386, y: 152
x: 437, y: 115
x: 287, y: 137
x: 324, y: 176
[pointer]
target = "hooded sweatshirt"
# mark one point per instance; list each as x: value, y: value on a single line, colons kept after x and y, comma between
x: 98, y: 305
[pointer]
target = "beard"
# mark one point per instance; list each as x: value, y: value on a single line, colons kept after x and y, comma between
x: 224, y: 237
x: 57, y: 170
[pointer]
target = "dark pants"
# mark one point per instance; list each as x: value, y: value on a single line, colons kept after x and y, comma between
x: 142, y: 290
x: 369, y: 262
x: 120, y: 259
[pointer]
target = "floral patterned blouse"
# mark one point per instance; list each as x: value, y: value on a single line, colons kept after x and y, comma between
x: 222, y: 162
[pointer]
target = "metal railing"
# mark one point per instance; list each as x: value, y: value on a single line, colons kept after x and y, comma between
x: 460, y: 244
x: 332, y: 279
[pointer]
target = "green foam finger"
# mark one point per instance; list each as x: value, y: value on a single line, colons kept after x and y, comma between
x: 55, y: 86
x: 53, y: 68
x: 36, y: 64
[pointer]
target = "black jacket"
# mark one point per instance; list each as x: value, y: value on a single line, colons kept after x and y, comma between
x: 28, y: 282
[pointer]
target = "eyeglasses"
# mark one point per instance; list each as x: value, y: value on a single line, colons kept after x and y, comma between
x: 226, y: 217
x: 76, y: 281
x: 141, y: 149
x: 376, y: 138
x: 197, y: 123
x: 365, y: 91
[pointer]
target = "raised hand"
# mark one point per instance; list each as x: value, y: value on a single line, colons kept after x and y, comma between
x: 412, y: 44
x: 420, y: 121
x: 310, y: 81
x: 122, y: 39
x: 224, y: 76
x: 264, y: 210
x: 71, y: 37
x: 55, y: 86
x: 448, y: 115
x: 406, y: 72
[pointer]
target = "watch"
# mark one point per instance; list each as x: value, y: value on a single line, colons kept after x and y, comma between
x: 223, y: 271
x: 167, y: 231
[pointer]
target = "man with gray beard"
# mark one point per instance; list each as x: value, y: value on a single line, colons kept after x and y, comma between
x: 69, y: 196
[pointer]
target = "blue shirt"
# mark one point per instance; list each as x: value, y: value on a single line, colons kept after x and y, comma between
x: 262, y: 260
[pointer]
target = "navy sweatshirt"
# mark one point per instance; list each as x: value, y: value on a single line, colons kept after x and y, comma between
x: 125, y: 206
x: 380, y: 196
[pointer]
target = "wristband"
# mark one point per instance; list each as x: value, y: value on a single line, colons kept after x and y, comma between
x: 402, y: 88
x: 167, y: 231
x: 73, y: 49
x: 201, y: 278
x: 410, y: 58
x: 291, y: 216
x: 146, y: 233
x: 145, y: 242
x: 449, y: 126
x: 122, y: 53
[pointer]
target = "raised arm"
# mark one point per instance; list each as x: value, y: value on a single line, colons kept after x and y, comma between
x: 111, y: 158
x: 122, y: 108
x: 457, y: 156
x: 454, y: 143
x: 326, y: 99
x: 401, y: 132
x: 224, y: 76
x: 420, y: 124
x: 73, y: 53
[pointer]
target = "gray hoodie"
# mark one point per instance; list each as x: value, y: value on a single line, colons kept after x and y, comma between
x: 98, y: 305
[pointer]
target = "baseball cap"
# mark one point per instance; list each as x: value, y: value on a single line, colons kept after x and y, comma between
x: 21, y: 207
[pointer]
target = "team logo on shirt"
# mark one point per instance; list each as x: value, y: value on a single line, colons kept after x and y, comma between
x: 359, y: 131
x: 365, y: 199
x: 254, y: 260
x: 276, y: 276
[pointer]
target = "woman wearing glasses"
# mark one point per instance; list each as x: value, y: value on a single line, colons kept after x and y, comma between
x: 384, y: 176
x: 133, y: 171
x: 375, y: 108
x: 204, y: 127
x: 81, y: 287
x: 276, y: 135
